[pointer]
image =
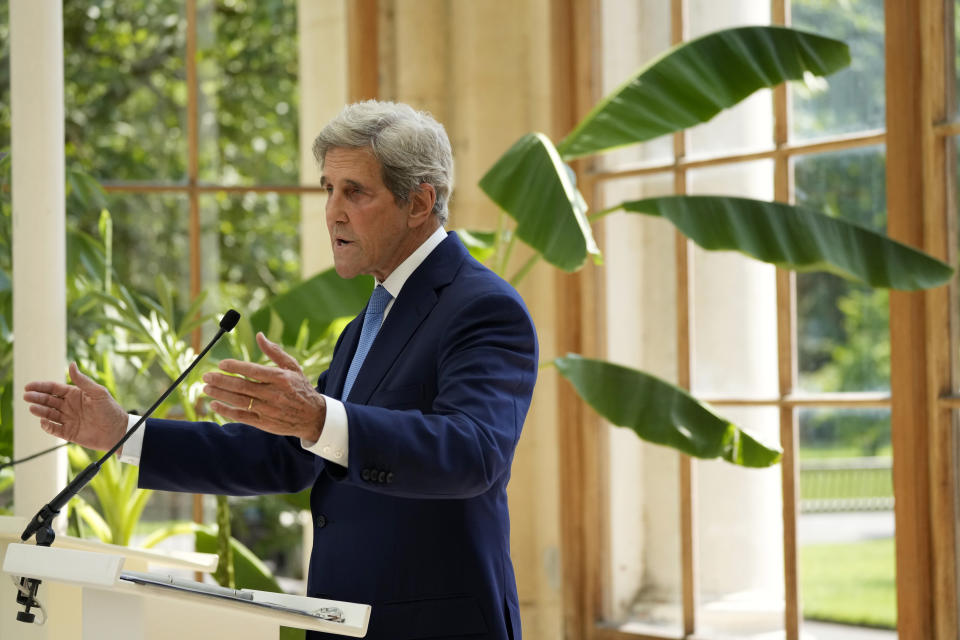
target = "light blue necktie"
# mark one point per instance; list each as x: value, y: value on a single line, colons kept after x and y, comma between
x: 372, y: 320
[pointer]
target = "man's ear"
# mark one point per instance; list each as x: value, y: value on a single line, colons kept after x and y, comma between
x: 422, y: 201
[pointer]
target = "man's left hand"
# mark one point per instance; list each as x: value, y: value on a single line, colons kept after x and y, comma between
x: 278, y: 400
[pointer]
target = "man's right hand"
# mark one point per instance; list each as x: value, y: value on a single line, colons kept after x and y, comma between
x: 85, y: 413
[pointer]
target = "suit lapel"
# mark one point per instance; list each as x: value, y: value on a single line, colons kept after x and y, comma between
x: 416, y: 300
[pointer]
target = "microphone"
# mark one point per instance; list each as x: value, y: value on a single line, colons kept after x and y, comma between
x: 41, y: 522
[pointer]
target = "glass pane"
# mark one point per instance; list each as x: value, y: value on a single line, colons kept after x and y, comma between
x: 250, y: 247
x: 150, y: 237
x: 644, y: 589
x: 749, y: 125
x: 740, y: 530
x: 124, y: 93
x: 149, y: 251
x: 247, y: 70
x: 634, y: 33
x: 843, y: 328
x: 734, y: 306
x: 856, y: 97
x: 846, y: 526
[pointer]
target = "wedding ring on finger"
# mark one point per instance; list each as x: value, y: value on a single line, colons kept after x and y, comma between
x: 250, y: 406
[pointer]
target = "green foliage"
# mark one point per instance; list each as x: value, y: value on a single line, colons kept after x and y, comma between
x: 853, y: 582
x: 226, y: 573
x: 851, y: 185
x: 696, y: 80
x: 249, y: 571
x: 271, y: 529
x: 797, y: 238
x: 855, y: 101
x: 120, y: 501
x: 563, y: 240
x: 662, y: 413
x: 688, y: 85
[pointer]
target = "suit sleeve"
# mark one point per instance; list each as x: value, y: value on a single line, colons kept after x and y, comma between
x: 235, y: 459
x: 481, y: 370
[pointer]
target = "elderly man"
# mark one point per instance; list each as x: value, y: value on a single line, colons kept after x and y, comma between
x: 407, y: 439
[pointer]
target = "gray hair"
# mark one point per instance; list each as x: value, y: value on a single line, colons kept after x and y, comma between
x: 411, y: 147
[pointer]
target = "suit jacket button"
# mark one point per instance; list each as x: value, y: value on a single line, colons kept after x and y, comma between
x: 320, y: 521
x: 365, y: 474
x: 382, y: 476
x: 390, y: 477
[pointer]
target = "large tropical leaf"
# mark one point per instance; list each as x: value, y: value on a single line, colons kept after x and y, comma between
x: 532, y: 184
x: 694, y: 81
x: 662, y: 413
x: 250, y: 571
x: 798, y: 239
x: 480, y: 244
x: 318, y: 301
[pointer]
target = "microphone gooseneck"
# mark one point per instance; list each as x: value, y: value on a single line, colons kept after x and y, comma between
x: 45, y: 516
x: 41, y: 524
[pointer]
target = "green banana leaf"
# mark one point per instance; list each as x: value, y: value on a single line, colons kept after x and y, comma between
x: 480, y: 244
x: 796, y: 238
x: 249, y: 570
x: 536, y: 189
x: 695, y: 81
x: 662, y: 413
x: 319, y: 301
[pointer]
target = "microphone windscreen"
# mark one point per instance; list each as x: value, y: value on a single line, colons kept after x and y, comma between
x: 229, y: 320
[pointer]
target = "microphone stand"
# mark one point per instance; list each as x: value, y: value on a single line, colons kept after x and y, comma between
x: 42, y: 523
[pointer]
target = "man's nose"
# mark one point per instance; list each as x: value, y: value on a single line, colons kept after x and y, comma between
x: 335, y: 209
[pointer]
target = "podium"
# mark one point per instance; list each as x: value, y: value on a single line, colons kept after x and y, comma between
x: 86, y: 597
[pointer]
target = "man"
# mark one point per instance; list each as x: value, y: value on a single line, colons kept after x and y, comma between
x: 407, y: 439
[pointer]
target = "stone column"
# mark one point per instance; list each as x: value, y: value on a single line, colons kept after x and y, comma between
x: 39, y: 244
x: 322, y: 37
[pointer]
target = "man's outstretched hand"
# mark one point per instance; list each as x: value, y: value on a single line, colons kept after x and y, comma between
x: 84, y: 412
x: 278, y: 399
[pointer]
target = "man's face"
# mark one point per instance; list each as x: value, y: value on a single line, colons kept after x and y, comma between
x: 368, y: 231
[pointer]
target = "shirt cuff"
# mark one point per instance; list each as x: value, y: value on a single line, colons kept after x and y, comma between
x: 333, y: 444
x: 130, y: 453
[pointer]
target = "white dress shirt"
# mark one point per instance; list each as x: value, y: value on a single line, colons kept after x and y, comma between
x: 334, y: 442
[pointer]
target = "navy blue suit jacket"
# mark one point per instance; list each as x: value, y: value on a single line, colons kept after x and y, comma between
x: 416, y: 524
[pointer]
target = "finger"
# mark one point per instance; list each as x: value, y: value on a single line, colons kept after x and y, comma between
x: 238, y: 400
x: 234, y: 384
x: 81, y: 380
x: 259, y: 407
x: 46, y: 413
x: 45, y: 399
x: 251, y: 370
x: 236, y: 414
x: 252, y: 418
x: 275, y: 353
x: 47, y: 387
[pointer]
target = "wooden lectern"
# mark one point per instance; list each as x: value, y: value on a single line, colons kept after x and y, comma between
x: 96, y: 591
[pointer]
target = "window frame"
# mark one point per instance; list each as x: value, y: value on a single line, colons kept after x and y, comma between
x: 919, y: 138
